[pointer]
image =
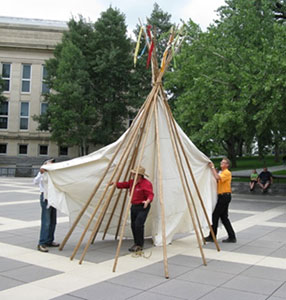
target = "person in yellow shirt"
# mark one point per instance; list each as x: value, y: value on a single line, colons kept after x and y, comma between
x: 224, y: 197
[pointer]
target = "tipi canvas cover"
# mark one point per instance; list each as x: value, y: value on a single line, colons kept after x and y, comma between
x: 70, y: 183
x: 183, y: 184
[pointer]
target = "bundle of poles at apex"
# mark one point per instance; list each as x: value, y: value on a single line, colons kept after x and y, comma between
x: 129, y: 154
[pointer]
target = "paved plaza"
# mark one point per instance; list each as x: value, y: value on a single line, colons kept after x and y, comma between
x: 252, y: 269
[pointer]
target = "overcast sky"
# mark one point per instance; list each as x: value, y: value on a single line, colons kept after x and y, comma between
x: 201, y: 12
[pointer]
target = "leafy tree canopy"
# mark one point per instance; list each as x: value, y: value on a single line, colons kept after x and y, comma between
x: 227, y: 79
x: 89, y: 77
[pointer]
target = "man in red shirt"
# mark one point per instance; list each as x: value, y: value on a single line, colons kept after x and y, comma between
x: 141, y: 199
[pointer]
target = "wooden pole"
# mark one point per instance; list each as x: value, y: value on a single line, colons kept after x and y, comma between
x: 127, y: 174
x: 161, y: 193
x: 102, y: 178
x: 91, y: 197
x: 183, y: 185
x: 133, y: 187
x: 121, y: 213
x: 184, y: 173
x: 132, y: 162
x: 122, y: 161
x: 125, y: 198
x: 103, y: 211
x: 129, y: 142
x: 111, y: 216
x: 119, y: 194
x: 194, y: 181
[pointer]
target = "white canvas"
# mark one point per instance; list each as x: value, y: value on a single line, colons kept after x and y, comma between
x: 70, y: 183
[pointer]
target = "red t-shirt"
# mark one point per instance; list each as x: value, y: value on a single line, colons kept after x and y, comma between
x: 143, y: 190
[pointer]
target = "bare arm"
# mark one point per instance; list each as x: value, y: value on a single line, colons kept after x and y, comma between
x: 211, y: 165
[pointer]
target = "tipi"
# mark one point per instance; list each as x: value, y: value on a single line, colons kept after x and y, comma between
x: 184, y: 187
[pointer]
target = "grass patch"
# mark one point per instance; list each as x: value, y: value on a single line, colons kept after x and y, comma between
x: 251, y: 162
x: 281, y: 172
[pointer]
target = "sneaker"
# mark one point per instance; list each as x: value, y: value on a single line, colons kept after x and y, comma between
x: 132, y: 249
x: 208, y: 239
x: 43, y: 248
x: 53, y: 244
x: 229, y: 240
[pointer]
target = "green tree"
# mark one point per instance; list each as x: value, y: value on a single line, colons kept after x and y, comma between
x: 111, y: 66
x: 71, y: 115
x: 141, y: 81
x: 89, y: 78
x: 221, y: 79
x: 161, y: 23
x: 71, y: 112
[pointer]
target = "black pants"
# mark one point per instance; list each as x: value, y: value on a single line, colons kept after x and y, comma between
x: 138, y: 218
x: 221, y: 212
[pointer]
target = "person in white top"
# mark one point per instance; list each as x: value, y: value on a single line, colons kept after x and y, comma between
x: 48, y: 216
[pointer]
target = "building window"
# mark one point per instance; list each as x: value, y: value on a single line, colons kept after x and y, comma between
x: 23, y: 149
x: 3, y: 148
x: 24, y: 116
x: 4, y: 115
x: 43, y: 149
x: 6, y: 76
x: 63, y: 151
x: 44, y: 107
x: 45, y: 87
x: 26, y: 78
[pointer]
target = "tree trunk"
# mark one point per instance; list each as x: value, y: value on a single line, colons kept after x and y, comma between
x: 277, y: 141
x: 231, y: 153
x: 260, y: 150
x: 83, y: 148
x: 240, y: 147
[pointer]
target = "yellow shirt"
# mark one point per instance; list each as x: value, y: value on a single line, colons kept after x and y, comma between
x: 224, y: 184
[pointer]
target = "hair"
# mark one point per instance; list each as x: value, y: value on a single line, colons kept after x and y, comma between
x: 227, y: 160
x: 48, y: 161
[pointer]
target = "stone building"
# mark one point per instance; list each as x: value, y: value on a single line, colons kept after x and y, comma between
x: 25, y: 45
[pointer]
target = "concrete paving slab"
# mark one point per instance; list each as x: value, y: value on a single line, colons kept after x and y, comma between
x: 138, y: 280
x: 227, y: 267
x: 266, y: 273
x: 7, y: 264
x: 206, y: 276
x: 281, y: 291
x: 223, y: 293
x: 253, y: 268
x: 182, y: 289
x: 256, y: 250
x: 103, y: 290
x: 8, y: 283
x: 29, y: 273
x: 156, y: 269
x: 152, y: 296
x: 253, y: 285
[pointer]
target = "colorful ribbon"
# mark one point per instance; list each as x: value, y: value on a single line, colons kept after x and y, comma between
x: 137, y: 46
x: 151, y: 47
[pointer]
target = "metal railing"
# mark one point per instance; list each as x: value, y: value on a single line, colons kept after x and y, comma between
x: 18, y: 171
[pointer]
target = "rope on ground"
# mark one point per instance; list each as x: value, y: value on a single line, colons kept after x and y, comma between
x: 141, y: 253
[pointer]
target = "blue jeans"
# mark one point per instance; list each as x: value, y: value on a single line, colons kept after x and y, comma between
x: 48, y: 222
